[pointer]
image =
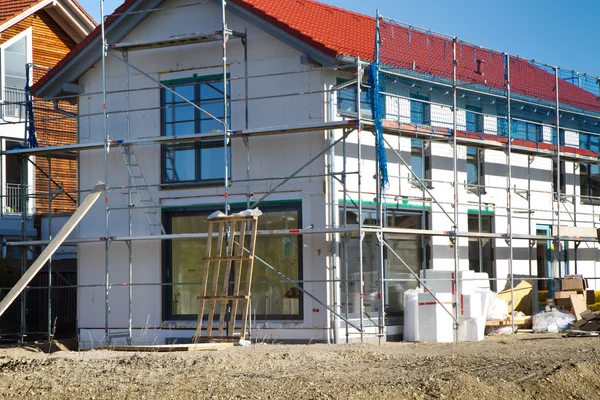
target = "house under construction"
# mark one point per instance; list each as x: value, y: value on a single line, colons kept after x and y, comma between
x: 374, y: 149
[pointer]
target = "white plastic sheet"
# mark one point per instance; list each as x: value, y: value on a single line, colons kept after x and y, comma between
x: 552, y: 321
x: 411, y: 315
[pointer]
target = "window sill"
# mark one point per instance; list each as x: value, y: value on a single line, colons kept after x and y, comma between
x: 590, y: 202
x: 193, y: 185
x: 476, y: 191
x: 415, y: 183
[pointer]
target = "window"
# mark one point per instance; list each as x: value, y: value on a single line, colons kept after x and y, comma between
x: 193, y: 161
x: 589, y: 183
x: 420, y: 112
x: 346, y: 99
x: 481, y: 250
x: 14, y: 57
x: 420, y: 161
x: 521, y: 130
x: 411, y: 248
x: 563, y: 183
x: 271, y: 298
x: 475, y: 170
x: 474, y: 119
x: 12, y: 198
x: 589, y: 174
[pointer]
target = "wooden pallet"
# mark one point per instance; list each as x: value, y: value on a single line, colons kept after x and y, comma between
x: 234, y: 251
x: 520, y: 321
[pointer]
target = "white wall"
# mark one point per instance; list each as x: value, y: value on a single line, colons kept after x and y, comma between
x: 271, y: 156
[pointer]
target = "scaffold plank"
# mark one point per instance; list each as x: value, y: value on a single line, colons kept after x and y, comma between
x: 60, y: 237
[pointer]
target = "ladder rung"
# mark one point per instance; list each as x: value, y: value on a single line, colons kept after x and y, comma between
x: 228, y: 258
x: 223, y: 297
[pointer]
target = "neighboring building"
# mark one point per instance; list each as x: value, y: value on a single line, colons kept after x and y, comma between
x: 284, y: 37
x: 34, y: 36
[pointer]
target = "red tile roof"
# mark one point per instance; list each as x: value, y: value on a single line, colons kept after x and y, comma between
x: 335, y: 31
x: 10, y: 9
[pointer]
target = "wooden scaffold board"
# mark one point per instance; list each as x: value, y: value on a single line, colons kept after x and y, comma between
x: 227, y: 278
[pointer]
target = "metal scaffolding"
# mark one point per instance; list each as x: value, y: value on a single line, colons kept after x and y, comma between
x: 339, y: 127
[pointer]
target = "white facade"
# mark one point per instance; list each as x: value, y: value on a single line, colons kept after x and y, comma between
x: 286, y: 100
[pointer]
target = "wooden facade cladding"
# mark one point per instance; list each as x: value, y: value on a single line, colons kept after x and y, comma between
x: 50, y: 44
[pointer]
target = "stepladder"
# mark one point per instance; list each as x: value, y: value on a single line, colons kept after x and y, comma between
x: 225, y: 288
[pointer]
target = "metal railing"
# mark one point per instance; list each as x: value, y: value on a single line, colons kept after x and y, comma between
x: 13, y: 103
x: 13, y: 198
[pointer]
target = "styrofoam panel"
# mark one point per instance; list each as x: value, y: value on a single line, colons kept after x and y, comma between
x: 435, y: 324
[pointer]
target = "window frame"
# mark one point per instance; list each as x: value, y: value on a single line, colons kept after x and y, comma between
x: 479, y: 187
x: 479, y: 241
x: 31, y: 208
x: 476, y: 111
x: 365, y: 100
x: 563, y: 179
x: 587, y: 197
x: 424, y: 151
x: 27, y: 35
x: 422, y: 100
x: 198, y: 146
x: 166, y: 267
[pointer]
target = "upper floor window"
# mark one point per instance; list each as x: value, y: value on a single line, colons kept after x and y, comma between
x: 521, y: 130
x: 420, y: 111
x: 346, y: 99
x: 475, y: 170
x: 201, y: 161
x: 420, y: 161
x: 14, y: 56
x: 589, y: 174
x: 474, y: 119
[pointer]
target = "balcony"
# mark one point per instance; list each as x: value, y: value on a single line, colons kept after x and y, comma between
x: 14, y: 203
x: 13, y: 106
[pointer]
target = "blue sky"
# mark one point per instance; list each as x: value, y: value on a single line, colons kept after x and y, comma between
x: 549, y: 31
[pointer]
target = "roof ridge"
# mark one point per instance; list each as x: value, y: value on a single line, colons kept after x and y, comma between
x: 339, y: 9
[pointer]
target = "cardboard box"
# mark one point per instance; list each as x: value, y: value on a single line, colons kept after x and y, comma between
x: 573, y: 283
x: 564, y: 294
x: 563, y: 302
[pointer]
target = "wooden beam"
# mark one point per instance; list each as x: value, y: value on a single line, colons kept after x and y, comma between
x: 60, y: 237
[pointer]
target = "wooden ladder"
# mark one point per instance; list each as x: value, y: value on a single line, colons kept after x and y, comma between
x: 235, y: 242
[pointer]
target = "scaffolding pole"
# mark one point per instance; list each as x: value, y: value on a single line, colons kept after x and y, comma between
x: 454, y: 238
x: 509, y: 195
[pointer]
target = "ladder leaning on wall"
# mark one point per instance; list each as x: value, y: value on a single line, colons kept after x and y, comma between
x: 142, y: 190
x: 229, y: 292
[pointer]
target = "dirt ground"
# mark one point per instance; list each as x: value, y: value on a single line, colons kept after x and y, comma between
x: 509, y: 367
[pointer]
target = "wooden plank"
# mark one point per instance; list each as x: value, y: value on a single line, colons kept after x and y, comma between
x: 225, y: 291
x: 248, y: 288
x: 223, y: 297
x: 60, y: 237
x: 215, y: 278
x: 204, y: 284
x: 232, y: 258
x: 171, y: 347
x: 238, y: 273
x: 216, y: 339
x: 518, y: 321
x: 578, y: 303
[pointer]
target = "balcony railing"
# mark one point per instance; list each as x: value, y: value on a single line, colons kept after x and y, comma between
x: 13, y: 103
x: 13, y: 200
